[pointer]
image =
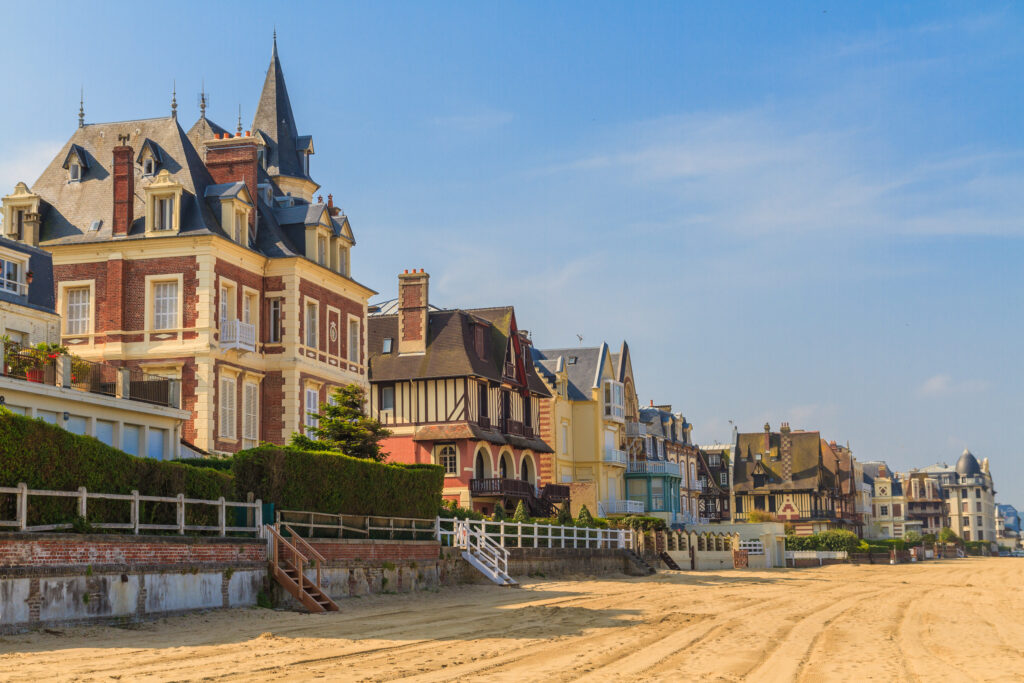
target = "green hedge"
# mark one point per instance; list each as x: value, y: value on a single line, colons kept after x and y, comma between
x: 835, y: 539
x: 294, y: 479
x: 47, y: 457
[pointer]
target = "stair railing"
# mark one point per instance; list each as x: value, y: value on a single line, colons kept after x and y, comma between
x: 317, y: 557
x: 298, y: 558
x: 478, y: 544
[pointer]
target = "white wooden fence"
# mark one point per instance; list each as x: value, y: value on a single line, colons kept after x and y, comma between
x: 23, y: 494
x: 530, y: 535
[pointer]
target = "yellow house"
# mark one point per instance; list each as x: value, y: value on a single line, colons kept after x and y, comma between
x: 591, y: 424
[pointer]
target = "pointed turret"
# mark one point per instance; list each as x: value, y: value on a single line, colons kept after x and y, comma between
x: 287, y: 152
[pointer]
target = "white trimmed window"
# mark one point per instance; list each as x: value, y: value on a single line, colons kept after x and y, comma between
x: 164, y: 215
x: 312, y: 325
x: 165, y: 306
x: 228, y: 413
x: 321, y: 250
x: 249, y: 309
x: 312, y: 410
x: 614, y: 405
x: 353, y: 340
x: 250, y: 415
x: 449, y: 460
x: 76, y: 316
x: 274, y: 331
x: 10, y: 276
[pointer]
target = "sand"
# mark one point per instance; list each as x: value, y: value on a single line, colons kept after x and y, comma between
x: 941, y: 621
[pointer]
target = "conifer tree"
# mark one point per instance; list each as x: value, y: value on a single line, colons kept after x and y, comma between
x: 499, y: 513
x: 520, y: 513
x: 564, y: 516
x: 345, y: 428
x: 584, y: 518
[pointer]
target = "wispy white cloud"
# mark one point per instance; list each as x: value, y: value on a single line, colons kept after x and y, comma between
x: 942, y: 385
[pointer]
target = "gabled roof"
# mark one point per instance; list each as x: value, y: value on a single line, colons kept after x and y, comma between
x: 276, y: 123
x: 153, y: 148
x: 582, y: 365
x: 228, y: 191
x: 450, y: 348
x: 202, y: 130
x: 807, y: 469
x: 77, y: 153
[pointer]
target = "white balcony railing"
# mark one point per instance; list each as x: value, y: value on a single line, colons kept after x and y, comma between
x: 234, y: 334
x: 621, y: 507
x: 673, y: 469
x: 13, y: 286
x: 615, y: 457
x: 636, y: 429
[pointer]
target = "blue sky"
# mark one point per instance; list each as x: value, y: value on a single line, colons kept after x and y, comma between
x: 791, y: 212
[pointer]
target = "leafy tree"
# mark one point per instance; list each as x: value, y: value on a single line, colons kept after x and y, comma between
x: 929, y: 539
x: 520, y: 513
x: 564, y: 517
x: 344, y: 427
x: 948, y: 536
x: 584, y: 518
x: 913, y: 538
x: 499, y: 513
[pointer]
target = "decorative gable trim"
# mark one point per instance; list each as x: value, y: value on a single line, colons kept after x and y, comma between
x: 76, y: 154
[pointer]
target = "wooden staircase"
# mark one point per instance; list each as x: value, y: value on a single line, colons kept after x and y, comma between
x: 667, y: 559
x: 287, y: 563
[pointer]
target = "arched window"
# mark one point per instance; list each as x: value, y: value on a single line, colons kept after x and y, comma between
x: 481, y: 469
x: 524, y: 469
x: 448, y: 459
x: 503, y: 467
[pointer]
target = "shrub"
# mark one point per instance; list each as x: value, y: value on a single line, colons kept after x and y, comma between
x: 337, y: 484
x: 642, y: 523
x: 912, y: 538
x: 584, y: 518
x: 450, y: 510
x: 45, y: 456
x: 564, y: 517
x: 499, y: 513
x: 759, y: 516
x: 222, y: 464
x: 520, y: 514
x: 837, y: 539
x: 947, y: 535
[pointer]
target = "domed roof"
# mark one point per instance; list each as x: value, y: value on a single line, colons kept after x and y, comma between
x: 967, y: 465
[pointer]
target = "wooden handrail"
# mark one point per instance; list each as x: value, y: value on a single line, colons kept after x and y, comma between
x: 281, y: 539
x: 313, y: 551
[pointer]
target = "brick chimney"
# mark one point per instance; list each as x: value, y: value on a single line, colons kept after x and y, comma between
x: 331, y: 208
x: 124, y: 188
x: 412, y: 311
x: 786, y: 451
x: 767, y: 440
x: 233, y: 159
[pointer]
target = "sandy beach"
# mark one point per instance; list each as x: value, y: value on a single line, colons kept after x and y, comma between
x: 951, y: 620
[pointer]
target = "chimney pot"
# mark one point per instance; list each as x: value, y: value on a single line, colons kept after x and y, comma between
x: 330, y: 200
x: 413, y: 311
x: 124, y: 188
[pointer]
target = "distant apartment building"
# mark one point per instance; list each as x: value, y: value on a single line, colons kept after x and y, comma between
x: 658, y: 477
x: 889, y: 504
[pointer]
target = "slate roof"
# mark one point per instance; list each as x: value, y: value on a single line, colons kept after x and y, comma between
x: 583, y: 374
x: 40, y: 290
x: 450, y: 348
x: 276, y: 122
x: 807, y: 470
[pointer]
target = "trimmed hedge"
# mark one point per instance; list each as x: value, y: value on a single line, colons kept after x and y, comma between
x: 337, y: 484
x: 834, y: 539
x: 44, y: 456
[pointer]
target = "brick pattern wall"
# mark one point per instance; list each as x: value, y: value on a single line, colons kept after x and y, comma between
x: 124, y: 189
x: 378, y: 551
x: 272, y: 408
x: 235, y: 163
x: 347, y: 307
x: 63, y: 551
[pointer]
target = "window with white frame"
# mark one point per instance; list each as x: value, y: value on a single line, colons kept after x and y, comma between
x: 165, y: 305
x: 228, y: 410
x: 312, y: 410
x: 387, y: 398
x: 249, y: 308
x: 11, y: 276
x: 321, y: 250
x: 353, y: 340
x: 614, y: 404
x: 250, y: 414
x: 448, y: 458
x: 343, y: 260
x: 74, y: 172
x: 240, y: 221
x: 77, y: 310
x: 164, y: 215
x: 312, y: 325
x: 227, y: 302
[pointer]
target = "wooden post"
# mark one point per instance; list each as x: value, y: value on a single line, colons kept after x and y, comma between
x: 258, y: 514
x: 222, y: 516
x: 519, y: 534
x: 135, y: 512
x: 83, y: 498
x: 437, y: 529
x: 180, y: 505
x: 22, y: 506
x: 391, y: 523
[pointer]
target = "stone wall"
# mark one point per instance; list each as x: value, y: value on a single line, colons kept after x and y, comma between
x: 551, y: 562
x: 56, y: 579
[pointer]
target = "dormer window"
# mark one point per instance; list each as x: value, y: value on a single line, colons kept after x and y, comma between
x: 164, y: 218
x: 147, y: 167
x: 261, y: 157
x: 75, y: 163
x: 149, y: 157
x: 305, y: 164
x: 386, y: 347
x: 321, y: 250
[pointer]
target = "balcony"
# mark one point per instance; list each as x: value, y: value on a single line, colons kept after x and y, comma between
x: 620, y: 507
x: 498, y: 486
x: 636, y: 429
x: 671, y: 469
x: 556, y: 493
x: 234, y: 334
x: 613, y: 456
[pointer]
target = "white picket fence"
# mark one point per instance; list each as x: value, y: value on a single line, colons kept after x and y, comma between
x: 529, y: 535
x: 23, y: 494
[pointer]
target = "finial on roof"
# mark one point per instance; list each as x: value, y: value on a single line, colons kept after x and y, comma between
x: 174, y: 99
x: 275, y: 40
x: 239, y: 119
x: 81, y: 108
x: 202, y: 100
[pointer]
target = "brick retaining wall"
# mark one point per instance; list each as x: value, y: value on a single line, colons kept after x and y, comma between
x: 66, y: 550
x: 374, y: 551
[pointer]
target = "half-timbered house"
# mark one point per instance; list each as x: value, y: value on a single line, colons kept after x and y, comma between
x: 457, y: 389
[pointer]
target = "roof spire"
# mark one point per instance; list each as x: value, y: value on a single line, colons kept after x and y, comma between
x: 174, y: 99
x: 275, y: 40
x: 202, y: 100
x: 81, y: 108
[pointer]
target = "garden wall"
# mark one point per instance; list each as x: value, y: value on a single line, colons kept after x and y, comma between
x: 59, y: 579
